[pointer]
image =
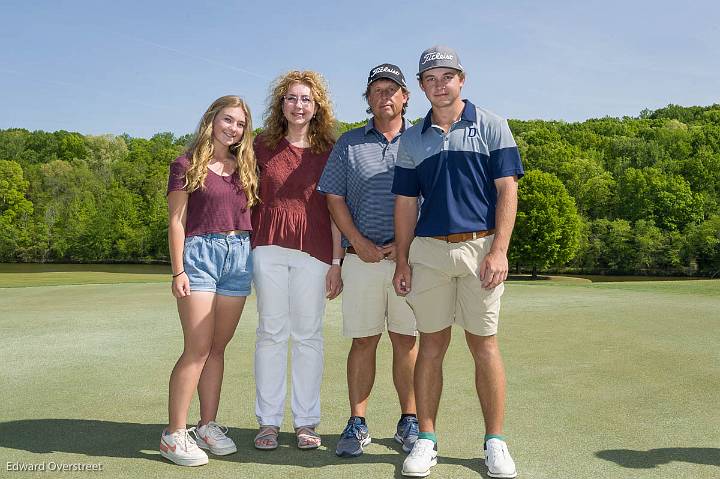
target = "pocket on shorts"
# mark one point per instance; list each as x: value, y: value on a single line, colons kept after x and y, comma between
x: 198, y: 262
x: 488, y: 300
x: 412, y: 251
x: 244, y: 255
x: 238, y: 261
x: 191, y: 250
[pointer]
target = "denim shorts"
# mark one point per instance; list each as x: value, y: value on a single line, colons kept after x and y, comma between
x: 219, y: 263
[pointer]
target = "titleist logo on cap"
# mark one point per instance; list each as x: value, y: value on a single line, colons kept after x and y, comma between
x: 384, y: 69
x: 439, y: 57
x: 436, y: 56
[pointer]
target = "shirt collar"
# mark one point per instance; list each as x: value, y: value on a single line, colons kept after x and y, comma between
x: 370, y: 125
x: 468, y: 114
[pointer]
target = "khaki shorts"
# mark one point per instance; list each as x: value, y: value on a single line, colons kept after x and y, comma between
x: 369, y: 300
x: 446, y: 287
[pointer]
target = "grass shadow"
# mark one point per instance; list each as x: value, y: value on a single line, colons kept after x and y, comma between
x: 80, y: 436
x: 527, y: 277
x: 654, y: 457
x: 476, y: 465
x: 289, y: 455
x: 140, y: 441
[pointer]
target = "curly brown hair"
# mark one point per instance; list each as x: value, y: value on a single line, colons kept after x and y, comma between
x: 201, y: 149
x: 322, y: 129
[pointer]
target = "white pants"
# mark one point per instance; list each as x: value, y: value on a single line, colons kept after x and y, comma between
x: 290, y: 288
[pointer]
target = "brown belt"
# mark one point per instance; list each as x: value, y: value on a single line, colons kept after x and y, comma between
x: 351, y: 250
x: 460, y: 237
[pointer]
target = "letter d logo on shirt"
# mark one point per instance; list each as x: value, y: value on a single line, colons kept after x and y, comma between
x: 472, y: 132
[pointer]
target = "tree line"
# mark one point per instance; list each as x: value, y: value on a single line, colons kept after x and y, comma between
x: 632, y: 195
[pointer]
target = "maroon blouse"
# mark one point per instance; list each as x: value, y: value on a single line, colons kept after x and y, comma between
x: 291, y: 213
x: 220, y: 206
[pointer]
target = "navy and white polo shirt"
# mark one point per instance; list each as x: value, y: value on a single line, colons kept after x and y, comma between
x: 361, y: 168
x: 455, y: 172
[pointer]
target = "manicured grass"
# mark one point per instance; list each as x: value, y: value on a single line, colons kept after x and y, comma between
x: 605, y: 380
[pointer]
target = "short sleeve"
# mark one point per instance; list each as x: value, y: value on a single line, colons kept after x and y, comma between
x: 405, y: 182
x: 404, y: 158
x: 176, y: 179
x: 334, y: 176
x: 504, y: 153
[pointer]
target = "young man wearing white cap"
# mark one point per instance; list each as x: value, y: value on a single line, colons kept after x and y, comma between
x: 357, y: 180
x: 452, y: 259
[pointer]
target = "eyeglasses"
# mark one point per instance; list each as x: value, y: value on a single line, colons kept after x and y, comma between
x: 304, y: 100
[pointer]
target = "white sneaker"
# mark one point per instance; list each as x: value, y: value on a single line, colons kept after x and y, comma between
x: 180, y: 448
x: 213, y: 436
x: 498, y: 460
x: 422, y: 457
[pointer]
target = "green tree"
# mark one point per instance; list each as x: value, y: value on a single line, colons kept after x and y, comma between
x: 13, y: 146
x: 655, y: 251
x: 644, y: 187
x: 15, y: 210
x: 701, y: 171
x: 703, y: 246
x: 103, y: 152
x: 71, y: 146
x: 596, y: 197
x: 547, y: 229
x: 666, y: 199
x: 67, y: 195
x: 610, y: 246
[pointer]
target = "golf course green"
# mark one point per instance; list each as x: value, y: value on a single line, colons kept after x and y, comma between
x: 605, y: 380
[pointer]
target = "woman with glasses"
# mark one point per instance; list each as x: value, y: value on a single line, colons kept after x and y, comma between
x: 210, y: 192
x: 296, y: 255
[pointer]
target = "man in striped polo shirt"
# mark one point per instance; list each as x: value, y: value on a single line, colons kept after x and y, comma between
x: 357, y: 181
x: 465, y: 164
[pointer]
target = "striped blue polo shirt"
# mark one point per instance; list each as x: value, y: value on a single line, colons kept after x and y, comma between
x: 455, y: 172
x: 361, y: 168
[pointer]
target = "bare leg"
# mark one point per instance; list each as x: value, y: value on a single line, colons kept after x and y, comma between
x: 227, y: 314
x: 361, y: 372
x: 489, y: 380
x: 196, y: 317
x: 429, y: 376
x: 405, y: 352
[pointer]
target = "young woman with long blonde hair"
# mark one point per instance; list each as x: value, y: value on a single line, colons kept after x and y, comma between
x: 211, y: 189
x: 296, y: 255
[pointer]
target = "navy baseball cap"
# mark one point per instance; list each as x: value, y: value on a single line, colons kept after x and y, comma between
x: 389, y: 71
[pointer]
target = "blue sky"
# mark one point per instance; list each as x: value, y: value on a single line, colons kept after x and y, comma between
x: 146, y: 67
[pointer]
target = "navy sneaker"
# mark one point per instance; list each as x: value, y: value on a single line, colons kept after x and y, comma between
x: 407, y: 432
x: 353, y: 438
